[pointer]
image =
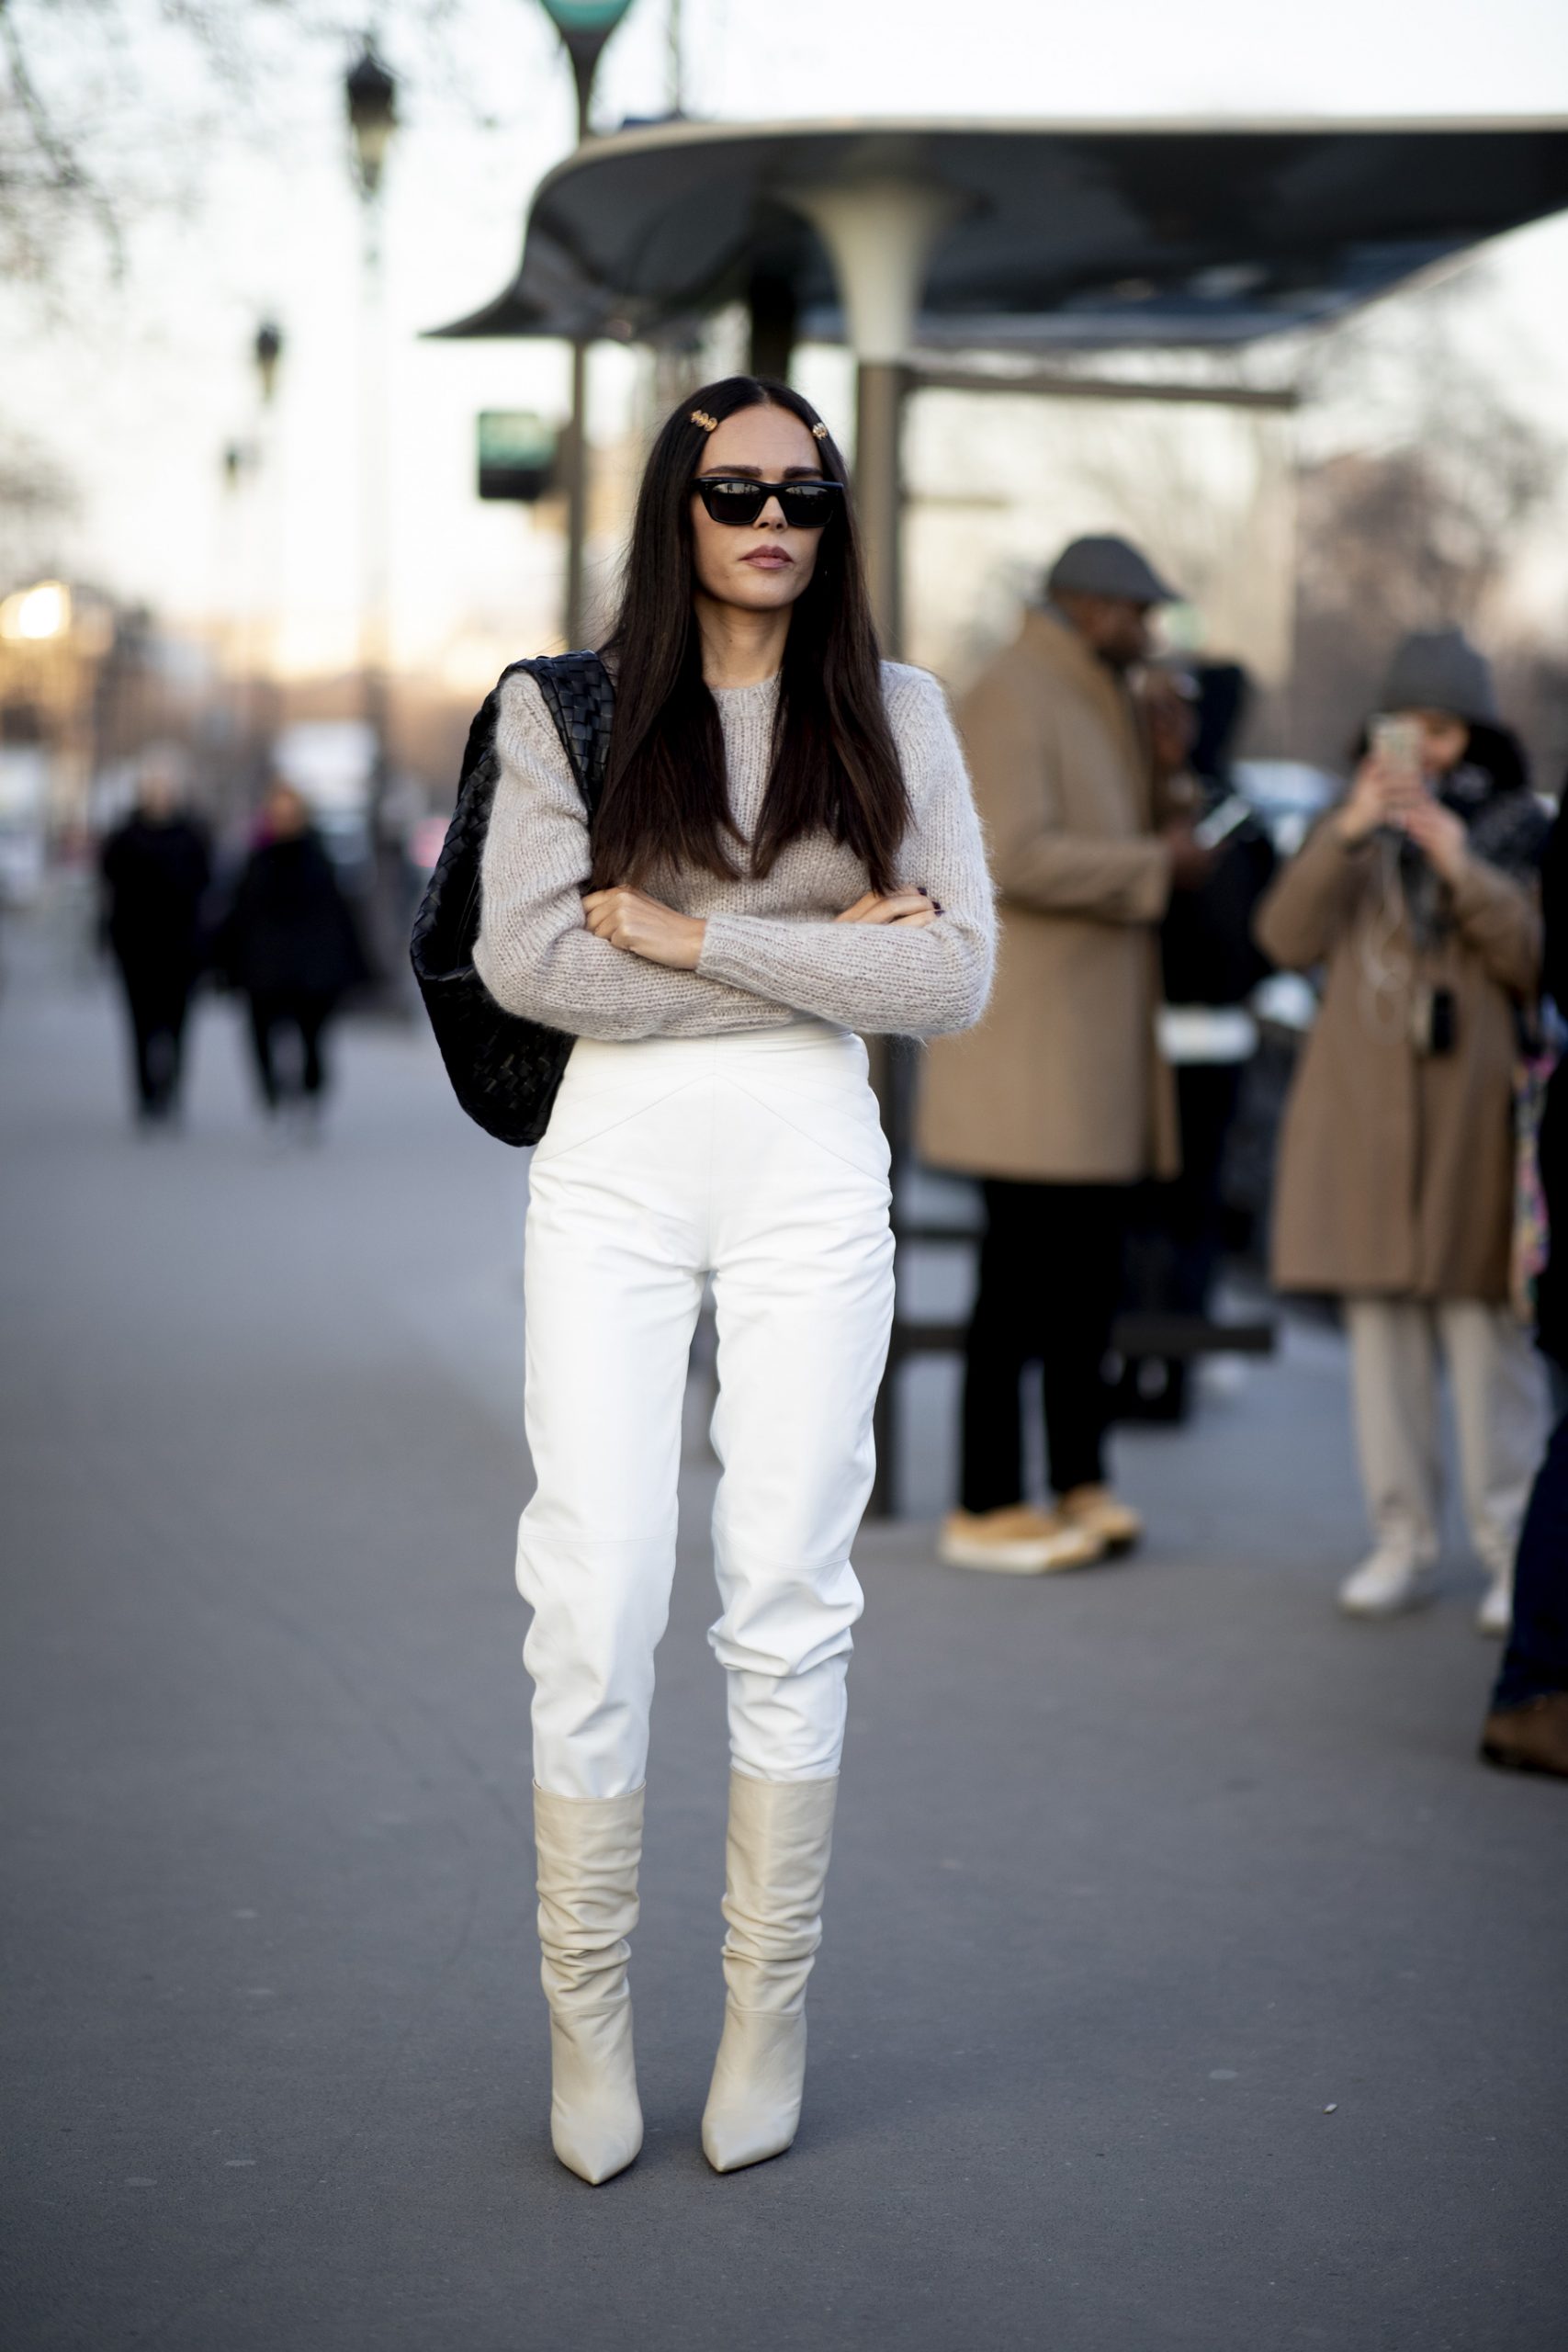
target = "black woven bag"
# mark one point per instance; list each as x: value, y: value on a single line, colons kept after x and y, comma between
x: 504, y: 1071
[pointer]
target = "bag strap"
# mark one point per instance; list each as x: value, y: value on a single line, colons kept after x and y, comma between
x: 580, y: 695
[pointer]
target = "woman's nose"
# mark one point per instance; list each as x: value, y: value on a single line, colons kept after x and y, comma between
x: 772, y: 517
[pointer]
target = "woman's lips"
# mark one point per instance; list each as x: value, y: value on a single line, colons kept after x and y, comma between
x: 768, y: 558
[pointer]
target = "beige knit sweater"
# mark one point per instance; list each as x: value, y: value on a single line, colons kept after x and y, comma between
x: 771, y: 952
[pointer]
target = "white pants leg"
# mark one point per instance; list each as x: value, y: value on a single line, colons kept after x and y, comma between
x: 1499, y: 1393
x: 1393, y: 1380
x: 803, y: 1293
x: 612, y: 1285
x: 759, y: 1159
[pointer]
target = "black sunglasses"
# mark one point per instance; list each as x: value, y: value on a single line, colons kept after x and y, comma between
x: 736, y: 498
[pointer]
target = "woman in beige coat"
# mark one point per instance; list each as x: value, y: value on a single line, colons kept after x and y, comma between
x: 1396, y: 1187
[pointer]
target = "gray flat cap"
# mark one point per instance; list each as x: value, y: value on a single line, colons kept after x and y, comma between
x: 1107, y: 567
x: 1438, y: 668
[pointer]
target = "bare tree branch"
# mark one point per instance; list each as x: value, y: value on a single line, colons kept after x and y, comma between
x: 64, y: 176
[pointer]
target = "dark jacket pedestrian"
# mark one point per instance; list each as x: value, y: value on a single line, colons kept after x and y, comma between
x: 1528, y: 1727
x: 1211, y: 965
x: 1551, y: 1290
x: 156, y: 867
x: 290, y: 944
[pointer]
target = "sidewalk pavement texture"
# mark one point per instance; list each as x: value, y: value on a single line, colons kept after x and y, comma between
x: 1186, y: 1984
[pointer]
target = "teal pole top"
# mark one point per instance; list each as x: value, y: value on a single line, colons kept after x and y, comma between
x: 586, y: 15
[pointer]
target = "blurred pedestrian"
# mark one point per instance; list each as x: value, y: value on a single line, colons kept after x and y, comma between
x: 1210, y: 964
x: 1418, y: 895
x: 1526, y: 1725
x: 1059, y: 1101
x: 155, y: 868
x: 290, y: 944
x: 785, y: 853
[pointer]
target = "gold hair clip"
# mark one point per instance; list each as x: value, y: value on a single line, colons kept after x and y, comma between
x: 709, y: 424
x: 819, y: 433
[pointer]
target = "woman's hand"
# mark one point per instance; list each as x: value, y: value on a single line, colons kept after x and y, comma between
x: 643, y: 926
x: 1380, y: 795
x: 911, y: 909
x: 1439, y: 834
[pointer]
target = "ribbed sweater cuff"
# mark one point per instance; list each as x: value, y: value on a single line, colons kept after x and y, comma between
x: 724, y: 955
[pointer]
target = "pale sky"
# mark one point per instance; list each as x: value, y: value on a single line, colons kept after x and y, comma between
x: 140, y: 397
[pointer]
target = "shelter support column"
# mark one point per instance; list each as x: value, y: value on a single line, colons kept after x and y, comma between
x: 773, y: 318
x: 574, y: 618
x: 880, y: 386
x: 878, y: 234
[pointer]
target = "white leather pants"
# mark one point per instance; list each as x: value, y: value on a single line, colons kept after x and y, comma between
x: 759, y: 1159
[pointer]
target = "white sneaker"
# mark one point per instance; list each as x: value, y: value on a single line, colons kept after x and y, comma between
x: 1495, y: 1614
x: 1388, y: 1581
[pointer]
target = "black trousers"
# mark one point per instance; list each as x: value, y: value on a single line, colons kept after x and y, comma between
x: 1175, y: 1227
x: 158, y: 1001
x: 306, y: 1012
x: 1536, y: 1660
x: 1050, y: 1285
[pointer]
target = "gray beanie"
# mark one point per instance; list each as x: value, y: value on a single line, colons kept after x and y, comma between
x: 1107, y: 567
x: 1438, y: 668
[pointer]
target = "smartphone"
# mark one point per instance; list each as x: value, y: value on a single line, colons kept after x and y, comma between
x: 1397, y: 745
x: 1434, y: 1020
x: 1222, y: 819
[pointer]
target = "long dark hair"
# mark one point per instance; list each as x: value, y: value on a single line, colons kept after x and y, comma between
x: 834, y: 766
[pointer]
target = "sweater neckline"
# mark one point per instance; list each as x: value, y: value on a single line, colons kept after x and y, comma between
x: 765, y: 689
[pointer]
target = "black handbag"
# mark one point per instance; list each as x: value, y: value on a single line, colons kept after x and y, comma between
x: 505, y: 1071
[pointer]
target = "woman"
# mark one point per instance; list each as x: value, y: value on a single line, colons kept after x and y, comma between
x: 1396, y: 1189
x: 784, y: 853
x: 290, y: 943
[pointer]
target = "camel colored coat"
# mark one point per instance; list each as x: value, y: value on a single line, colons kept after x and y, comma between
x: 1061, y: 1082
x: 1397, y: 1169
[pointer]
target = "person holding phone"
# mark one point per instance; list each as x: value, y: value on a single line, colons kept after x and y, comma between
x: 1419, y: 897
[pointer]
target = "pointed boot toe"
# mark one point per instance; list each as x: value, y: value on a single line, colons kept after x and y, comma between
x: 588, y: 1850
x: 781, y: 1832
x: 754, y: 2108
x: 595, y: 2117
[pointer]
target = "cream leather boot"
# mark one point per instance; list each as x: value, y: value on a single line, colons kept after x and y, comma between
x: 589, y: 1848
x: 781, y: 1832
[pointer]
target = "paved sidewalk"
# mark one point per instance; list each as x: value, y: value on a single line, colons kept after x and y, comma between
x: 1186, y: 1985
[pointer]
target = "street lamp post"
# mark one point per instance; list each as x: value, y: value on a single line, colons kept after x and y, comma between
x: 371, y: 94
x: 584, y: 27
x: 244, y: 462
x: 261, y: 546
x: 266, y: 351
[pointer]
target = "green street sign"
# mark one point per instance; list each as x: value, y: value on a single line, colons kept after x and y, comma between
x: 516, y: 454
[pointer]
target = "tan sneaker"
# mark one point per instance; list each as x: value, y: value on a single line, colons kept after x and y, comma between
x: 1016, y: 1542
x: 1096, y: 1511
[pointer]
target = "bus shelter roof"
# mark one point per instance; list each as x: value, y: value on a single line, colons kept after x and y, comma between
x: 1060, y: 235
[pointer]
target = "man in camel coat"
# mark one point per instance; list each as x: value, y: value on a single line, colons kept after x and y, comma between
x: 1059, y: 1100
